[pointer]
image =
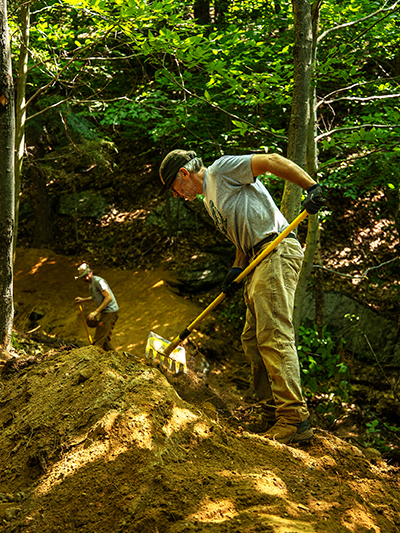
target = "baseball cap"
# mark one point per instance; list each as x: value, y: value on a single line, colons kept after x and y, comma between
x: 83, y: 269
x: 171, y: 165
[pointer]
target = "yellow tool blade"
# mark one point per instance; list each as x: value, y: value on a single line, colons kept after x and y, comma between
x: 155, y: 348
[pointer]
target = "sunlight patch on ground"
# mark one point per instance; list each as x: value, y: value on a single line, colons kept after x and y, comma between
x: 365, y: 487
x: 304, y: 456
x: 158, y: 284
x: 179, y: 420
x: 132, y: 346
x: 271, y: 484
x: 376, y: 233
x: 41, y: 262
x: 277, y: 524
x: 202, y: 430
x: 70, y: 464
x: 214, y: 511
x: 359, y: 516
x: 138, y: 430
x: 119, y: 217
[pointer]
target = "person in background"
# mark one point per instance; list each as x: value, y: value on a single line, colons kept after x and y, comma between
x: 105, y: 315
x: 244, y: 211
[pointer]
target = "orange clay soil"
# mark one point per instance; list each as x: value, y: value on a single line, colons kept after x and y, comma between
x: 101, y: 442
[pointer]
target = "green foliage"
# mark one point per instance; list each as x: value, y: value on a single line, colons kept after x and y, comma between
x: 150, y: 71
x: 376, y: 434
x: 322, y: 370
x: 83, y: 204
x: 232, y: 312
x: 15, y: 342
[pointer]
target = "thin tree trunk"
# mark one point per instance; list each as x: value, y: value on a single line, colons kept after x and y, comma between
x: 43, y: 231
x: 300, y: 113
x: 7, y: 144
x: 312, y: 166
x: 21, y: 109
x: 201, y: 11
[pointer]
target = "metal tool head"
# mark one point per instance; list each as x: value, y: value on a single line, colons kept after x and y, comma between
x: 155, y: 348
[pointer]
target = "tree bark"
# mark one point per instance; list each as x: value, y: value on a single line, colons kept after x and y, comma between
x: 43, y: 232
x: 220, y: 8
x: 21, y: 109
x: 201, y: 11
x: 300, y: 112
x: 7, y: 145
x: 312, y: 166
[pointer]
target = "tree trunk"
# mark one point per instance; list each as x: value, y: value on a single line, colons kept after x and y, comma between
x: 21, y: 109
x: 300, y: 113
x: 220, y: 8
x: 201, y: 11
x: 43, y: 232
x: 7, y: 144
x: 312, y: 166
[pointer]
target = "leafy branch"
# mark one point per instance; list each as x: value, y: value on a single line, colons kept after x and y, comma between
x: 349, y: 88
x: 221, y: 109
x: 333, y: 164
x: 358, y: 276
x: 354, y: 22
x: 361, y: 99
x: 66, y: 66
x: 353, y: 128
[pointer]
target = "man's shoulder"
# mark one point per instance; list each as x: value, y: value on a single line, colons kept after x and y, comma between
x: 233, y: 167
x: 232, y: 160
x: 98, y: 280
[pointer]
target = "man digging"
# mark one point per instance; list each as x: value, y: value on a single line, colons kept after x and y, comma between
x: 106, y: 313
x: 244, y: 211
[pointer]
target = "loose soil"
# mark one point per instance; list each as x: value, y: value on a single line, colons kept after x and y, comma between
x: 98, y: 442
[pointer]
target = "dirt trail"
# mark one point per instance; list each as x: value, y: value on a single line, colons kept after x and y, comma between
x: 44, y: 281
x: 101, y: 442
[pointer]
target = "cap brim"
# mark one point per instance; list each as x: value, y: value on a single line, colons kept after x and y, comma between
x: 167, y: 184
x: 163, y: 189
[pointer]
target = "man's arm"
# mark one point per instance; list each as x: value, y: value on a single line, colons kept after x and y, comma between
x: 79, y: 299
x: 241, y: 260
x: 107, y: 299
x: 282, y: 168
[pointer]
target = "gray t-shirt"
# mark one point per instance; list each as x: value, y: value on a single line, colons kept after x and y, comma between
x: 96, y: 287
x: 241, y: 207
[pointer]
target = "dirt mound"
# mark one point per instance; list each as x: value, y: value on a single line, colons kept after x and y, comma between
x: 95, y: 442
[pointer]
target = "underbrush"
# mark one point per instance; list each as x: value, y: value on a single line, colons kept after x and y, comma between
x: 327, y: 378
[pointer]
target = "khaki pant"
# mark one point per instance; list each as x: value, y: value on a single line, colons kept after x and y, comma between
x: 268, y: 336
x: 102, y: 336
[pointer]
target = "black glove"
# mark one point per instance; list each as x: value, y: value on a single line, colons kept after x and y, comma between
x: 315, y: 199
x: 229, y: 286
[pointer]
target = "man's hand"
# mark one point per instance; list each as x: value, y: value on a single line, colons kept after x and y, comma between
x: 229, y: 286
x: 315, y: 199
x: 79, y: 299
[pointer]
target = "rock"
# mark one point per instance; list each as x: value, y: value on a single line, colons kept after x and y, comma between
x: 346, y: 318
x: 174, y: 215
x: 36, y: 315
x: 372, y: 453
x: 202, y: 275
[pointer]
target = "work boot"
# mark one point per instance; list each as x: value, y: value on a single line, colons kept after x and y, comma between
x: 267, y: 423
x: 286, y: 432
x: 268, y: 418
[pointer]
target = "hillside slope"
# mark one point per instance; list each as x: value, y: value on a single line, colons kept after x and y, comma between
x: 98, y: 442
